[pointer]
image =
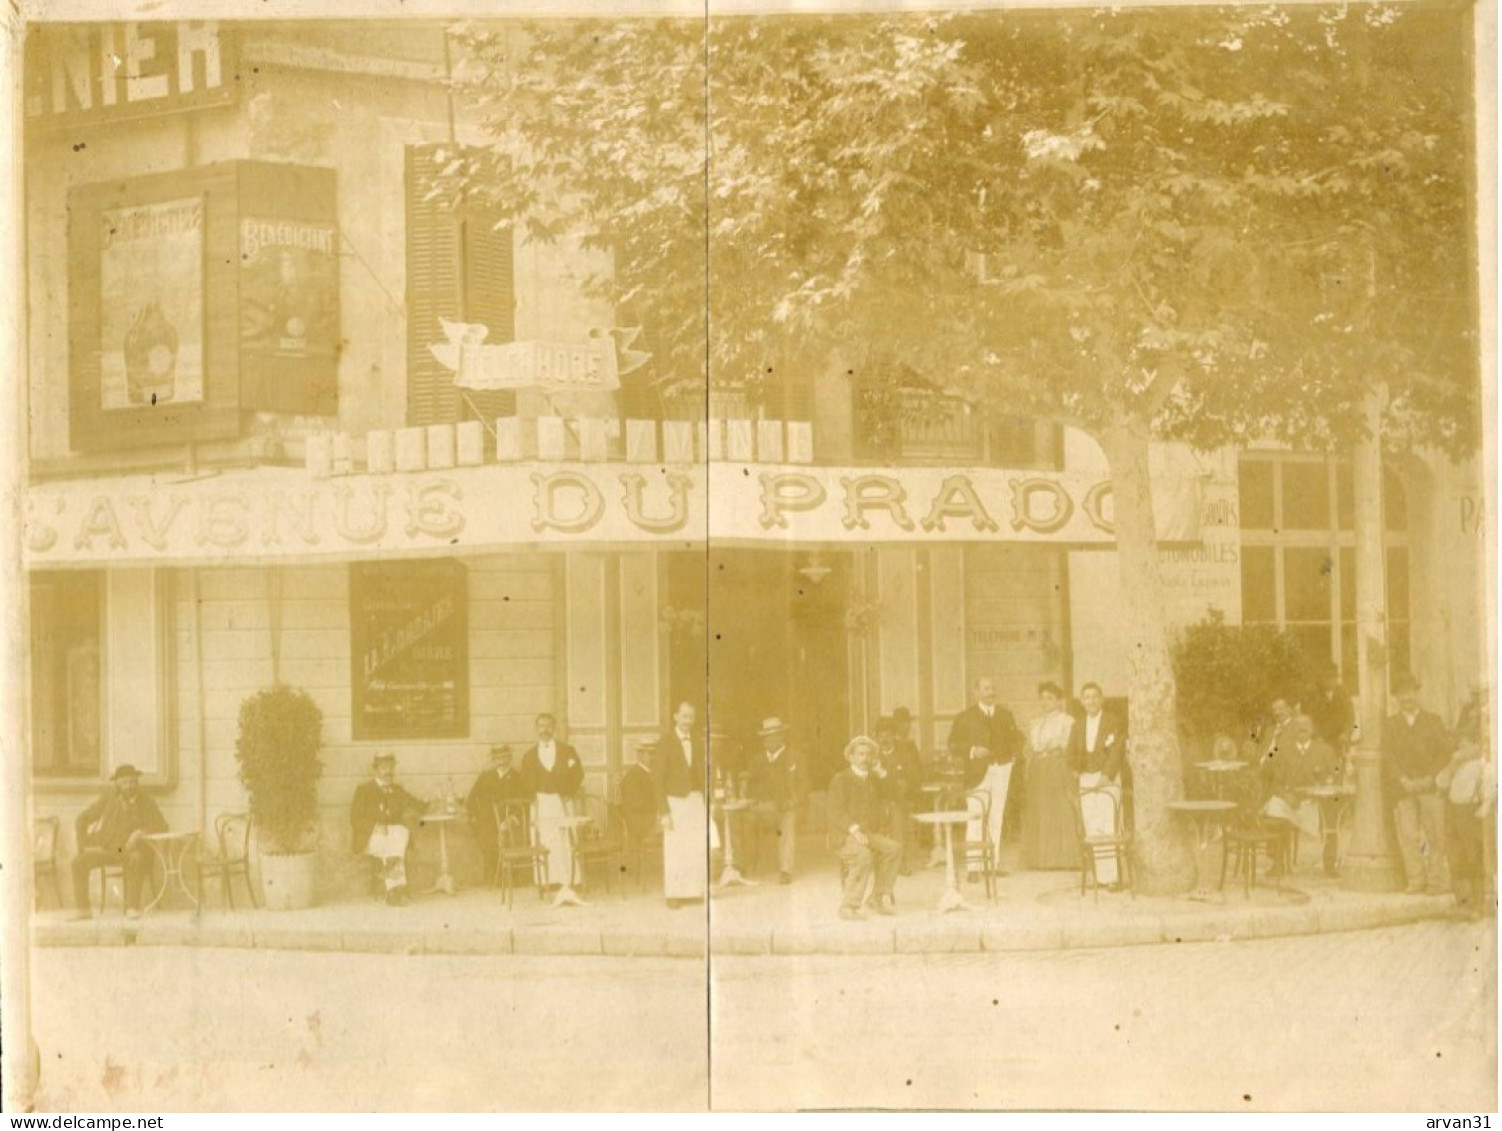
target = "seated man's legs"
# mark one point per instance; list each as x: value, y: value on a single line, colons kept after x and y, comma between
x: 857, y: 859
x: 83, y: 866
x: 886, y: 854
x: 138, y: 863
x: 388, y: 844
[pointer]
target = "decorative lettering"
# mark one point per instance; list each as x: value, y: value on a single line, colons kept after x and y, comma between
x: 374, y: 526
x: 548, y: 487
x: 223, y: 520
x: 1472, y: 515
x: 789, y: 491
x: 100, y: 521
x: 40, y: 537
x: 152, y: 534
x: 957, y: 499
x: 874, y: 492
x: 1023, y: 493
x: 300, y: 509
x: 431, y: 509
x: 677, y: 517
x: 1095, y: 504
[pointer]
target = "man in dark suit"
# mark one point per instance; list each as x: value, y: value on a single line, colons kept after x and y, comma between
x: 1330, y: 708
x: 777, y: 786
x: 678, y: 775
x: 553, y: 773
x: 859, y: 815
x: 984, y: 738
x: 1416, y: 747
x: 1299, y: 761
x: 496, y: 787
x: 904, y: 772
x: 379, y: 819
x: 112, y: 831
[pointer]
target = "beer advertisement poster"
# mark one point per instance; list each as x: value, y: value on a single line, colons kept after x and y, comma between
x: 151, y: 313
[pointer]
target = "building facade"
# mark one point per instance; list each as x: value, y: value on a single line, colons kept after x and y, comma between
x: 252, y: 458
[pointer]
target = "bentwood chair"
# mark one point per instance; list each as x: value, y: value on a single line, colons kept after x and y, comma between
x: 44, y: 856
x: 978, y: 855
x: 636, y: 800
x: 1097, y: 846
x: 517, y: 847
x: 229, y: 858
x: 1248, y: 835
x: 602, y: 842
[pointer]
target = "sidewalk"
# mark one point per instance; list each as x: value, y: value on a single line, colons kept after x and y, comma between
x: 1032, y: 911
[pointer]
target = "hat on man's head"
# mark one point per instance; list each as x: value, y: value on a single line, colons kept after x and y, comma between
x: 902, y: 715
x: 771, y: 725
x: 384, y: 758
x: 500, y: 748
x: 1406, y: 682
x: 125, y: 770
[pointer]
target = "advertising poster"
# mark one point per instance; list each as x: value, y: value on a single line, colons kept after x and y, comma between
x: 289, y: 288
x: 151, y: 313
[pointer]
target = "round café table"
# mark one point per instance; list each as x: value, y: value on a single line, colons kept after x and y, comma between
x: 940, y: 791
x: 1203, y: 812
x: 1334, y: 802
x: 951, y: 900
x: 171, y: 850
x: 730, y: 874
x: 441, y: 821
x: 1219, y: 768
x: 567, y: 896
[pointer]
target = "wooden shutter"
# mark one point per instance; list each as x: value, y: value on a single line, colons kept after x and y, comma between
x: 460, y: 268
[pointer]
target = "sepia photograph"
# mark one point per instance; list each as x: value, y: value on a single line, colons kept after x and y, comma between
x: 751, y: 557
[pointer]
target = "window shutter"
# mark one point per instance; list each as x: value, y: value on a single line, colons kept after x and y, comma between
x: 458, y: 268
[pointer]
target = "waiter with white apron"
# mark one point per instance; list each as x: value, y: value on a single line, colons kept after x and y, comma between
x: 552, y: 773
x: 687, y: 835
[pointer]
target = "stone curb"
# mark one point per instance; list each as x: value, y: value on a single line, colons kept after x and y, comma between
x: 955, y: 934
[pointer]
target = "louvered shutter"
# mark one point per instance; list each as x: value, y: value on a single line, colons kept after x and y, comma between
x: 459, y: 268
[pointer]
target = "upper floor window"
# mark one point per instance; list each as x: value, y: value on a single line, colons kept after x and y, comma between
x: 459, y: 267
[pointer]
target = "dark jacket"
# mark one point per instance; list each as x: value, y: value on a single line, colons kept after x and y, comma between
x: 853, y: 800
x: 783, y: 783
x: 672, y: 776
x: 1110, y: 747
x: 491, y: 790
x: 564, y: 779
x: 1333, y: 716
x: 1417, y: 751
x: 374, y: 806
x: 998, y: 734
x: 1286, y: 770
x: 109, y: 822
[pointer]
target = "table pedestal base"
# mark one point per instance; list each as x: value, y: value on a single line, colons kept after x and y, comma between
x: 731, y: 876
x: 444, y: 883
x: 952, y: 900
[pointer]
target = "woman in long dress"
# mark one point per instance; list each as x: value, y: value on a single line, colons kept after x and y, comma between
x: 1049, y: 838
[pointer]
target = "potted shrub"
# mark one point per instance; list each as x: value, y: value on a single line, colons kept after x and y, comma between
x: 281, y: 730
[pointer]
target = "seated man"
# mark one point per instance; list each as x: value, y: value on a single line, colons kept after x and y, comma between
x: 904, y: 771
x: 112, y: 831
x: 859, y: 813
x: 777, y: 785
x: 378, y: 819
x: 495, y: 788
x: 1298, y: 760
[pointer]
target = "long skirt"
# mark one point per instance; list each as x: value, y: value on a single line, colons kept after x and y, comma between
x: 556, y: 838
x: 1048, y: 822
x: 1099, y: 814
x: 685, y: 848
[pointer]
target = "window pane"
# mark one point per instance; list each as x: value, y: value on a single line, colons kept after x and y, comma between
x: 66, y: 674
x: 1350, y: 670
x: 1307, y: 584
x: 1256, y: 494
x: 1258, y: 602
x: 1394, y: 502
x: 1399, y: 656
x: 1314, y: 639
x: 1397, y: 584
x: 1306, y: 498
x: 1345, y: 497
x: 1347, y: 584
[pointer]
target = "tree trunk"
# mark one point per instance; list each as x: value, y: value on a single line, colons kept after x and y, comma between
x: 1164, y: 856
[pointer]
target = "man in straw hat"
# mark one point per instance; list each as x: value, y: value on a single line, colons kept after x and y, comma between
x: 777, y: 784
x: 112, y: 833
x: 859, y: 817
x: 378, y: 819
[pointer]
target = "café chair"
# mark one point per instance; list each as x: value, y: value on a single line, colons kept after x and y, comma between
x: 977, y: 855
x: 636, y: 800
x: 518, y: 847
x: 44, y: 832
x: 1095, y: 847
x: 601, y: 842
x: 229, y: 858
x: 1249, y: 835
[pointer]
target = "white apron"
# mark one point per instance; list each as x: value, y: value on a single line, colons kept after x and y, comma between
x: 1098, y: 812
x: 995, y: 783
x: 685, y: 863
x: 388, y: 844
x: 555, y: 838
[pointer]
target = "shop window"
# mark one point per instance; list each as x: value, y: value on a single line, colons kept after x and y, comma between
x: 67, y: 674
x: 459, y: 268
x: 1256, y: 495
x: 409, y: 650
x: 1306, y: 501
x: 1259, y: 596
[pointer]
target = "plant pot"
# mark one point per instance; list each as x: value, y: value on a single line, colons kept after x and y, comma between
x: 288, y: 882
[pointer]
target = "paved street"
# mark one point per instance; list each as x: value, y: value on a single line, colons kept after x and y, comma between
x: 1395, y: 1019
x: 167, y: 1029
x: 1400, y: 1018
